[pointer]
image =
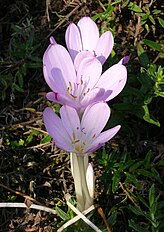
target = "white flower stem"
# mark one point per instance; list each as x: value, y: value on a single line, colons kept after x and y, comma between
x: 78, y: 166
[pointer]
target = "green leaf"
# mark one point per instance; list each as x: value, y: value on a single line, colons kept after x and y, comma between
x: 155, y: 12
x: 132, y: 6
x: 136, y: 165
x: 161, y: 21
x: 161, y: 162
x: 147, y: 160
x: 20, y: 78
x: 151, y: 195
x: 115, y: 181
x: 116, y: 2
x: 152, y: 19
x: 16, y: 87
x: 160, y: 205
x: 142, y: 200
x: 124, y: 165
x: 148, y: 118
x: 137, y: 227
x: 144, y: 60
x: 112, y: 218
x: 147, y: 28
x: 136, y: 210
x: 145, y: 173
x: 156, y: 175
x: 152, y: 44
x: 130, y: 178
x: 62, y: 214
x: 46, y: 139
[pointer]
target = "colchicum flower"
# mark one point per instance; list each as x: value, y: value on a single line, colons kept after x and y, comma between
x: 80, y: 84
x: 80, y: 137
x: 85, y: 36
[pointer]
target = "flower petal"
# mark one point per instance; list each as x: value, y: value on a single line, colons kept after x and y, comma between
x: 124, y: 60
x: 63, y: 100
x: 80, y: 56
x: 94, y: 119
x: 71, y: 121
x: 58, y: 68
x: 56, y: 129
x: 117, y: 88
x: 93, y: 96
x: 113, y: 79
x: 89, y: 72
x: 103, y: 138
x: 73, y: 40
x: 104, y: 46
x: 89, y: 33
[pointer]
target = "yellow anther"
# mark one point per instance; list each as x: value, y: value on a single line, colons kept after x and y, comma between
x: 73, y: 96
x: 73, y: 135
x: 70, y: 86
x: 93, y: 136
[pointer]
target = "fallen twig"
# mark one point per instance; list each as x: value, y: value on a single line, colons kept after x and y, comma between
x: 21, y: 194
x: 100, y: 211
x: 23, y: 205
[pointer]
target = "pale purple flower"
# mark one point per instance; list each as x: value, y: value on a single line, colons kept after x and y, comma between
x: 80, y: 83
x: 85, y: 36
x: 79, y: 136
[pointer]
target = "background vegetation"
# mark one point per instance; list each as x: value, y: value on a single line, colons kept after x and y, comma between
x: 129, y: 169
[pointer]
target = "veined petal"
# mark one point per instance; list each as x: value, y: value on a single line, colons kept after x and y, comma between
x: 113, y: 79
x: 56, y: 129
x: 64, y: 146
x: 104, y: 46
x: 73, y: 40
x: 71, y: 121
x: 93, y: 96
x: 56, y: 83
x: 103, y: 138
x: 63, y: 100
x: 117, y: 88
x: 89, y: 72
x: 94, y: 119
x: 80, y: 56
x: 89, y: 33
x: 59, y: 66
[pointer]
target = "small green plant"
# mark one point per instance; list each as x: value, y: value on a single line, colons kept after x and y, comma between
x: 19, y: 59
x: 124, y: 173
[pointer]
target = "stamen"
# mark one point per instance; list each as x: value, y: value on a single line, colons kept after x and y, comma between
x: 75, y: 141
x: 82, y: 130
x: 70, y: 86
x: 93, y: 136
x: 94, y: 53
x: 86, y: 92
x: 73, y: 96
x: 67, y: 91
x: 73, y: 135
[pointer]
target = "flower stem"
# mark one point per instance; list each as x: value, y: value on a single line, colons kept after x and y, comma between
x: 78, y: 166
